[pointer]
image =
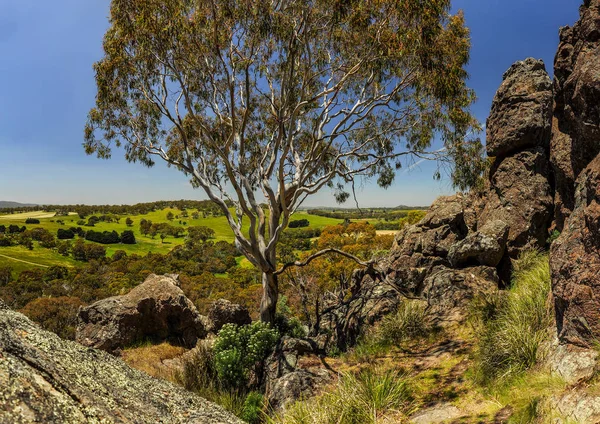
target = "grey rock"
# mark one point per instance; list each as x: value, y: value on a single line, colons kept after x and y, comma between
x: 521, y: 196
x: 485, y: 247
x: 224, y: 312
x: 576, y: 406
x: 156, y: 309
x: 295, y: 385
x: 441, y: 413
x: 449, y: 291
x: 51, y: 380
x: 572, y: 363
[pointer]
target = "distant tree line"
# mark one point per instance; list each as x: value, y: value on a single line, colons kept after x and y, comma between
x: 381, y: 214
x: 205, y: 206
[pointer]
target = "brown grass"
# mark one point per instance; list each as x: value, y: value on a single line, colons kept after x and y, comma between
x: 149, y: 358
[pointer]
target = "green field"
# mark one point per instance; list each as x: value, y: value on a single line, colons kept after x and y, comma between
x: 12, y: 256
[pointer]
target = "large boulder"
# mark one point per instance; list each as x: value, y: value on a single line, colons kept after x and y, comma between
x: 521, y: 196
x: 575, y: 264
x: 223, y: 312
x: 576, y: 121
x: 521, y: 111
x: 157, y: 309
x: 46, y: 379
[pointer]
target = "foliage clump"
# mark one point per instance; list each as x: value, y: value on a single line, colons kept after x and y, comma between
x: 240, y: 350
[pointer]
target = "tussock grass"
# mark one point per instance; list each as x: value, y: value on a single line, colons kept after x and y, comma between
x: 409, y: 322
x: 369, y: 397
x: 514, y: 325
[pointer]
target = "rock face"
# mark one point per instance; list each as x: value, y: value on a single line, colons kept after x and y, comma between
x: 520, y: 195
x: 224, y: 312
x: 575, y: 264
x: 575, y: 256
x: 50, y: 380
x: 576, y: 121
x: 155, y: 309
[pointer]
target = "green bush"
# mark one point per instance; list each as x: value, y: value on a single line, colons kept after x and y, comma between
x: 242, y: 349
x: 514, y: 325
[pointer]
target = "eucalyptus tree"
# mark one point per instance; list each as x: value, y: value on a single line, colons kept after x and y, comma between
x: 264, y: 103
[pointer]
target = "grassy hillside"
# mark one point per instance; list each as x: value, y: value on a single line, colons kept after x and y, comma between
x: 13, y: 256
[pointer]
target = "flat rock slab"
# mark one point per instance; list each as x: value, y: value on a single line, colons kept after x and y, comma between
x: 46, y: 379
x: 438, y: 414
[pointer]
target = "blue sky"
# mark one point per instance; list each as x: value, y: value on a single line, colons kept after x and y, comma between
x: 47, y: 49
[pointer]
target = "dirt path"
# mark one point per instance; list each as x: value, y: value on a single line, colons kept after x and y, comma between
x: 21, y: 260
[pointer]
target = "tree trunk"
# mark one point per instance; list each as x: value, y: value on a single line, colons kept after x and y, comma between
x: 268, y: 303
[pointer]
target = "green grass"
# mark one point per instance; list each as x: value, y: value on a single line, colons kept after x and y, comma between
x: 368, y: 397
x: 515, y: 325
x: 40, y: 256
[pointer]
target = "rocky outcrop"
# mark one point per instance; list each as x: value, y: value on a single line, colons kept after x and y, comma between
x: 518, y: 137
x: 485, y: 246
x: 51, y: 380
x: 575, y: 264
x: 464, y: 246
x: 224, y: 312
x: 156, y: 309
x: 576, y: 120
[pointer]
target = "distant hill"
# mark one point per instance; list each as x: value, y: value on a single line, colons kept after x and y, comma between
x: 8, y: 204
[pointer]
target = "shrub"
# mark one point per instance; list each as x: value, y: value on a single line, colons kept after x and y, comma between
x: 299, y: 223
x: 63, y: 234
x: 32, y: 221
x: 252, y: 411
x: 106, y: 237
x: 240, y: 350
x: 514, y: 326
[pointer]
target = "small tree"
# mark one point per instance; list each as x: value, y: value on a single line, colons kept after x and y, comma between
x: 262, y: 104
x: 129, y: 222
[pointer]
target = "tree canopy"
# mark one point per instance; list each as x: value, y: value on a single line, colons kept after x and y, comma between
x: 263, y: 104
